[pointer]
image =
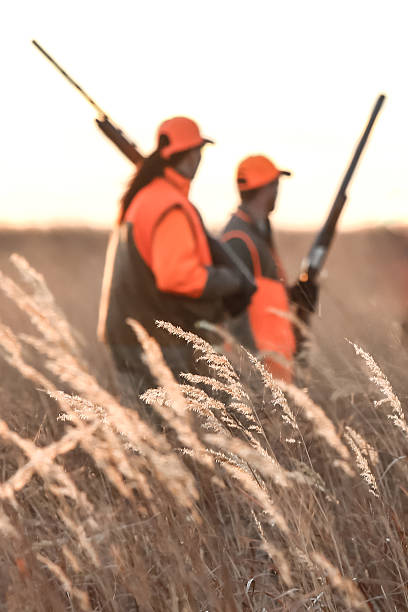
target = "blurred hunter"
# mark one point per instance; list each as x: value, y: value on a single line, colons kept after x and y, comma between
x: 265, y: 327
x: 159, y: 264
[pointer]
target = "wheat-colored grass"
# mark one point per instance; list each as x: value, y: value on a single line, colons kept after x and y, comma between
x: 235, y: 502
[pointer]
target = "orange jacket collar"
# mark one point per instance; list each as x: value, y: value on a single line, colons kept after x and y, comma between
x: 177, y: 180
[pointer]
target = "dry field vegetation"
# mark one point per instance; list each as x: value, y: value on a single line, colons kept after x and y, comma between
x: 256, y: 496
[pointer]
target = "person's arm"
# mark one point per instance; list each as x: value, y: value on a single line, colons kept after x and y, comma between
x: 176, y: 264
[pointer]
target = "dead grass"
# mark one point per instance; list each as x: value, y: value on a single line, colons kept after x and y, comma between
x: 257, y: 499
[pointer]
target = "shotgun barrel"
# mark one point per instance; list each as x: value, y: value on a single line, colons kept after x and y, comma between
x: 314, y: 261
x: 115, y: 135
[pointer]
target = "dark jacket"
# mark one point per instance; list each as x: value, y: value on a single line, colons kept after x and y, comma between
x: 265, y: 327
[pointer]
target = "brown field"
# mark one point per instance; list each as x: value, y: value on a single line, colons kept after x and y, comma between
x: 290, y: 509
x: 364, y: 295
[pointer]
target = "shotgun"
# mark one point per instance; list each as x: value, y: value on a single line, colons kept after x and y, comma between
x: 304, y: 292
x: 220, y: 253
x: 122, y: 142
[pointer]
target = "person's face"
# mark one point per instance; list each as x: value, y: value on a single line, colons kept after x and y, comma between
x: 188, y: 164
x: 270, y: 193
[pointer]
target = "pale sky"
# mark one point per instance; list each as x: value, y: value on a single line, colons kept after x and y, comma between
x: 294, y: 80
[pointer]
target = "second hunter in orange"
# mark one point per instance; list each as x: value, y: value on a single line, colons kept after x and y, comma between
x: 265, y: 327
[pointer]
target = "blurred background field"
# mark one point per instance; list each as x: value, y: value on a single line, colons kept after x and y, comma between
x: 364, y: 289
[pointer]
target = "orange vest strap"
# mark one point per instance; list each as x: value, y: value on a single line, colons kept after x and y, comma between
x: 256, y: 262
x: 242, y: 215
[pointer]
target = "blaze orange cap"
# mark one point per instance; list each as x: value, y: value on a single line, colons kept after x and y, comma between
x: 183, y: 134
x: 257, y: 171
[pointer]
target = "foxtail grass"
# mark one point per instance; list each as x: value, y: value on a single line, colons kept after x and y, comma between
x: 242, y: 499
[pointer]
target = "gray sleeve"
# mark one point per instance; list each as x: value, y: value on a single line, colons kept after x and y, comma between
x: 221, y: 282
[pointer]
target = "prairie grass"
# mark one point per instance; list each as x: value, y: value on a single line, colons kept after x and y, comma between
x: 252, y: 496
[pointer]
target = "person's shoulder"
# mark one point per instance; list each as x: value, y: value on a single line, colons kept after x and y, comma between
x: 161, y: 190
x: 235, y: 222
x: 154, y: 191
x: 151, y: 189
x: 155, y: 200
x: 143, y: 198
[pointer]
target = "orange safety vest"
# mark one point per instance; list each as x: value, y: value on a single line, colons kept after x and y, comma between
x: 153, y: 202
x: 129, y: 287
x: 266, y: 327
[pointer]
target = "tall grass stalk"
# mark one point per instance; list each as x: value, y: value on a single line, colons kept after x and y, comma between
x: 234, y: 502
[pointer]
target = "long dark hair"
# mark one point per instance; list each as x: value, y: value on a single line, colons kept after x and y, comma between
x: 152, y: 167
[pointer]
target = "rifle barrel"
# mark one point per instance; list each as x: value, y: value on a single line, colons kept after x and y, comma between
x: 70, y: 79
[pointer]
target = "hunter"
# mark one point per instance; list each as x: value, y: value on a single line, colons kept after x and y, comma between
x: 159, y: 264
x: 265, y: 328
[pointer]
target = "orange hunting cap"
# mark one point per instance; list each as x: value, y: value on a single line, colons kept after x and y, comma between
x: 183, y: 134
x: 257, y: 171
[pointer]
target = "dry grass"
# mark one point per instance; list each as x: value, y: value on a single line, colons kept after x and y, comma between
x: 256, y: 498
